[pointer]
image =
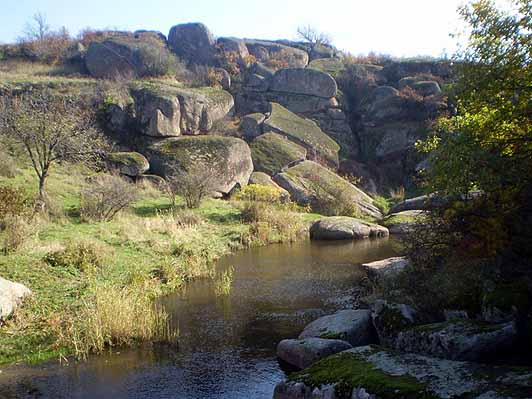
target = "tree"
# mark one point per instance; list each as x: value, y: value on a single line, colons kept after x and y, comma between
x: 313, y: 37
x: 37, y: 28
x: 487, y: 145
x: 51, y: 128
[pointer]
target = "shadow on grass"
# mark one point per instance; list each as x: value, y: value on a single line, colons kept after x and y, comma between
x: 215, y: 216
x: 147, y: 210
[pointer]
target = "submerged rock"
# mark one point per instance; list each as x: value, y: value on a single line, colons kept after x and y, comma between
x: 301, y: 353
x: 11, y: 297
x: 345, y: 228
x: 373, y: 372
x: 353, y: 326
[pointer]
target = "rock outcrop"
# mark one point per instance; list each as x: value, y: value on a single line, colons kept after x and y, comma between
x: 403, y: 222
x: 131, y: 164
x: 228, y: 158
x: 272, y: 153
x: 307, y: 181
x: 11, y: 297
x: 274, y: 54
x: 302, y: 353
x: 353, y: 326
x: 345, y: 228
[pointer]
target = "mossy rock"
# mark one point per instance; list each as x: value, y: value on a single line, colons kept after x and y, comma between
x: 308, y: 180
x: 333, y: 66
x: 272, y: 152
x: 130, y: 164
x: 403, y: 222
x: 303, y: 132
x: 229, y: 158
x: 371, y: 371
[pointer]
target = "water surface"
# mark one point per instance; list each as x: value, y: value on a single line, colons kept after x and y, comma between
x: 227, y: 344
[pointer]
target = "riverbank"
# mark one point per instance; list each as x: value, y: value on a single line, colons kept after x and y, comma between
x: 94, y: 284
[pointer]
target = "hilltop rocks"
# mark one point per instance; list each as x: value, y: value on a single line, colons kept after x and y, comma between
x: 272, y: 153
x: 302, y: 131
x: 345, y: 228
x: 301, y: 353
x: 229, y: 158
x: 353, y: 326
x: 192, y: 42
x: 373, y: 372
x: 308, y: 181
x: 11, y: 297
x: 158, y: 113
x: 273, y: 53
x: 126, y: 57
x: 235, y: 46
x: 131, y: 164
x: 305, y: 81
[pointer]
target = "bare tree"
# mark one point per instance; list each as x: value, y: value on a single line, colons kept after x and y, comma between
x: 37, y: 28
x: 313, y: 37
x: 51, y: 128
x: 194, y: 184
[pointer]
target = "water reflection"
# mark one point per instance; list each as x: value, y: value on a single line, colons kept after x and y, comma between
x: 227, y: 344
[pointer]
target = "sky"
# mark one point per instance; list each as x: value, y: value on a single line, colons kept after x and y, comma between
x: 394, y: 27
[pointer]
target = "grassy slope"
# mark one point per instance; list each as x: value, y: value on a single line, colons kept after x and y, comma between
x: 135, y: 244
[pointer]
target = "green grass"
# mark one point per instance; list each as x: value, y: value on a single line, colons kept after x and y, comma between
x: 145, y: 254
x: 272, y: 152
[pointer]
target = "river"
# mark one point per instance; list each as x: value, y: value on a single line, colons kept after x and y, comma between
x: 227, y: 343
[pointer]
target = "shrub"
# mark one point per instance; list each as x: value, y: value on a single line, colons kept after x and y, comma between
x: 187, y: 218
x: 223, y: 283
x: 398, y: 194
x: 13, y: 202
x: 83, y: 256
x: 257, y: 192
x: 7, y: 165
x: 382, y: 203
x: 17, y: 231
x: 332, y: 200
x: 106, y: 196
x: 52, y: 48
x: 194, y: 184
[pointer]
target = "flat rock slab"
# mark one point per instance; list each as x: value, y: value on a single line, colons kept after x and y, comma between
x: 353, y: 326
x: 345, y: 228
x: 373, y: 372
x: 301, y: 353
x: 386, y: 268
x: 306, y: 81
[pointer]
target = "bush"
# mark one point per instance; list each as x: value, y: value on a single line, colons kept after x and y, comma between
x: 83, y: 256
x: 7, y: 165
x: 106, y: 196
x: 13, y: 202
x: 187, y: 218
x: 193, y: 185
x: 17, y: 231
x: 51, y: 49
x: 260, y: 193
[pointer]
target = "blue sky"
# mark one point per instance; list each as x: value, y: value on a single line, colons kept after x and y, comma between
x: 396, y: 27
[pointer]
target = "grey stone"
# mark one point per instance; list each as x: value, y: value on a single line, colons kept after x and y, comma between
x: 131, y: 164
x: 306, y: 81
x: 266, y: 51
x: 11, y: 297
x: 389, y: 319
x: 251, y: 125
x: 386, y: 268
x: 345, y: 228
x: 353, y: 326
x: 193, y: 42
x: 301, y: 353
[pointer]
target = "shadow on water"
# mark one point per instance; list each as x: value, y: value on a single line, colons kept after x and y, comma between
x: 227, y: 344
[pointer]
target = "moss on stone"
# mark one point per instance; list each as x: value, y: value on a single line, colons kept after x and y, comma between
x: 127, y: 158
x: 272, y: 152
x: 333, y: 66
x: 349, y: 370
x: 302, y: 131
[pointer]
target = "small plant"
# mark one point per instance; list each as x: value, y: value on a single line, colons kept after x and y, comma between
x: 382, y: 203
x: 194, y: 185
x: 13, y: 202
x: 17, y: 231
x: 83, y: 256
x: 260, y: 193
x: 222, y: 285
x: 398, y: 195
x: 105, y: 197
x: 187, y: 218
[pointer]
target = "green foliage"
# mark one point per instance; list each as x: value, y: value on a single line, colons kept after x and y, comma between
x: 82, y: 256
x: 13, y: 202
x: 260, y: 193
x: 382, y: 203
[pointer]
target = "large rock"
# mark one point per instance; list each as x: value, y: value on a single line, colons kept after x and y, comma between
x: 303, y: 132
x: 390, y: 319
x: 345, y: 228
x: 166, y: 111
x: 228, y: 157
x: 353, y: 326
x: 272, y: 152
x: 403, y: 222
x: 193, y: 42
x: 131, y: 164
x: 305, y: 81
x: 127, y: 57
x: 422, y: 202
x: 276, y: 55
x: 372, y: 372
x: 386, y: 268
x: 308, y: 181
x: 458, y: 339
x: 301, y: 353
x: 11, y: 297
x: 251, y: 125
x: 234, y: 46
